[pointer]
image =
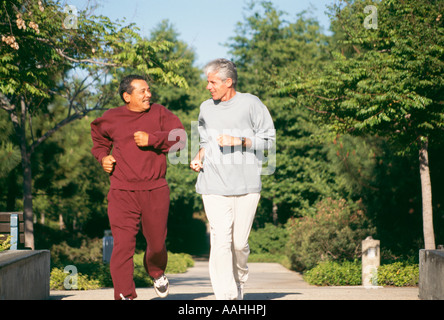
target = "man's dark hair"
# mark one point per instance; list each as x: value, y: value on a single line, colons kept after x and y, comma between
x: 125, y: 84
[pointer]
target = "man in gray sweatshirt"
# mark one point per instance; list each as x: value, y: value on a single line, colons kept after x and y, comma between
x: 235, y: 129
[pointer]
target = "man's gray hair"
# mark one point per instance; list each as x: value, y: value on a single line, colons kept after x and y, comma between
x: 224, y: 68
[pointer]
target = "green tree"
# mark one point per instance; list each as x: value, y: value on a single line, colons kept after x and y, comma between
x: 69, y: 185
x: 269, y: 48
x: 10, y: 159
x: 184, y: 102
x: 42, y: 43
x: 390, y: 84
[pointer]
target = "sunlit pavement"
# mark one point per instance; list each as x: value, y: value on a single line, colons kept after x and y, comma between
x: 267, y: 281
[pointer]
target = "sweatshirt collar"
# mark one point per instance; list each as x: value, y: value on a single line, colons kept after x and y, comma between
x: 229, y: 102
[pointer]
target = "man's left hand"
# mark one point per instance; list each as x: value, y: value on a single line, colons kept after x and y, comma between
x: 225, y: 140
x: 141, y: 138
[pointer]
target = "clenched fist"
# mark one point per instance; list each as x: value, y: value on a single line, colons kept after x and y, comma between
x: 196, y: 165
x: 141, y: 138
x: 108, y: 163
x: 228, y: 141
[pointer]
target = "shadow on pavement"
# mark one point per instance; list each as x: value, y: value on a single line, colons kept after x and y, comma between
x: 185, y: 296
x: 266, y: 296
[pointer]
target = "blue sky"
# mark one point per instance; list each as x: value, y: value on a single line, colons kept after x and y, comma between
x: 205, y: 25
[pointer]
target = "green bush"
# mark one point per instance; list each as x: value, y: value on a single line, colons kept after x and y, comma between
x: 269, y: 240
x: 141, y: 279
x: 398, y: 274
x: 330, y: 273
x: 83, y: 282
x: 93, y: 273
x: 6, y: 243
x: 268, y: 245
x: 334, y: 232
x: 177, y: 263
x: 87, y: 258
x: 90, y: 251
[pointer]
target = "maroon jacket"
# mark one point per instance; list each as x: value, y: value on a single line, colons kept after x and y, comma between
x: 137, y: 168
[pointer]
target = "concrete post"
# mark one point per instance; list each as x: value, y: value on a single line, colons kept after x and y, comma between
x: 14, y: 231
x: 431, y: 274
x: 370, y: 262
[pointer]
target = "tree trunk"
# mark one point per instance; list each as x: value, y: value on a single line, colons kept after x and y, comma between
x: 61, y: 222
x: 275, y: 214
x: 28, y: 215
x: 13, y: 190
x: 426, y: 188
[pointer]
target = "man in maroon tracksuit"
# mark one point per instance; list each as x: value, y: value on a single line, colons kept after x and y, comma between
x: 139, y: 134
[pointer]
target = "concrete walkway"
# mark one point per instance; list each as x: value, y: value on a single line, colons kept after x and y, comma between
x: 267, y: 281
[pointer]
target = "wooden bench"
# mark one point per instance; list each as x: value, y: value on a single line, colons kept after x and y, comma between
x: 11, y: 224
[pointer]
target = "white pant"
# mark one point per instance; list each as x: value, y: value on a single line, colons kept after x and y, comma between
x: 230, y: 218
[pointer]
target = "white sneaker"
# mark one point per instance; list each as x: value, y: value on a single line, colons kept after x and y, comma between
x: 240, y: 291
x: 124, y: 298
x: 161, y: 286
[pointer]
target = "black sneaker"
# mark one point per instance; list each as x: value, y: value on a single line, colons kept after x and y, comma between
x: 161, y: 286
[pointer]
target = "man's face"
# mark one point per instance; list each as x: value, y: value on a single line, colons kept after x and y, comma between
x: 217, y: 87
x: 139, y: 99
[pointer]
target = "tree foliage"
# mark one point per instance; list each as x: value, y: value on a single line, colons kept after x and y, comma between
x: 392, y: 83
x: 349, y: 109
x: 41, y: 47
x: 291, y: 48
x: 340, y: 108
x: 390, y: 86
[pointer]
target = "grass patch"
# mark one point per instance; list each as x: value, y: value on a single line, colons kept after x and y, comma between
x: 269, y: 257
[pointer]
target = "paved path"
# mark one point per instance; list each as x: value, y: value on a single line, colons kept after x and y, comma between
x: 267, y: 281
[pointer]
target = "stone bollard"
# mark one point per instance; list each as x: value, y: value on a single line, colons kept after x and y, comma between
x: 108, y: 243
x: 370, y: 262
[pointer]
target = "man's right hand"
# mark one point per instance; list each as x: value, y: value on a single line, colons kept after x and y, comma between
x: 196, y: 165
x: 108, y: 163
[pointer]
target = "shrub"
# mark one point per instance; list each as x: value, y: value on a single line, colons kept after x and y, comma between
x: 335, y: 232
x: 58, y: 276
x: 5, y: 244
x: 268, y: 245
x: 330, y: 273
x: 269, y: 240
x: 398, y: 274
x: 88, y: 252
x: 141, y: 279
x: 88, y: 260
x: 177, y: 263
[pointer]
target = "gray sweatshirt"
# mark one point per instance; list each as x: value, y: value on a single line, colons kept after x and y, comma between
x: 234, y: 170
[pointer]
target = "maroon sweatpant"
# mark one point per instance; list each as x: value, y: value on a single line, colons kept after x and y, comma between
x: 127, y: 210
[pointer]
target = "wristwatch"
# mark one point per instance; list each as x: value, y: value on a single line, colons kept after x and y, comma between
x: 244, y: 142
